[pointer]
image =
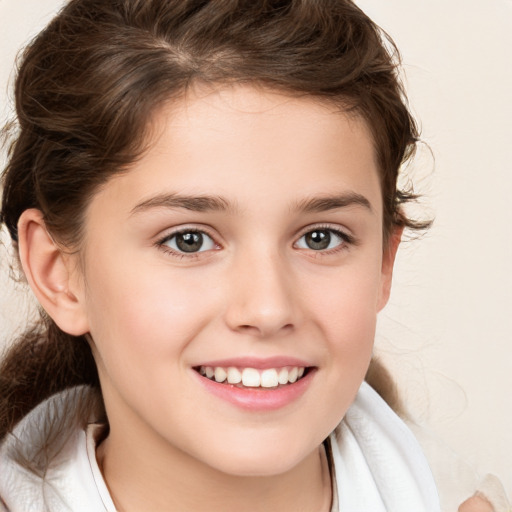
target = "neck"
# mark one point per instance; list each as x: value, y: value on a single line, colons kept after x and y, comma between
x: 171, y: 480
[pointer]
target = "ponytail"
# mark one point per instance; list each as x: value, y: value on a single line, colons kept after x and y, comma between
x: 43, y: 361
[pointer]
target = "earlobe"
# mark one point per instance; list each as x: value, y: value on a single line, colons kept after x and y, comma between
x: 48, y: 272
x: 388, y: 262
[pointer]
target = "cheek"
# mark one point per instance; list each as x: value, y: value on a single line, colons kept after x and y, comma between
x: 346, y: 302
x: 347, y: 321
x: 144, y: 313
x: 345, y: 310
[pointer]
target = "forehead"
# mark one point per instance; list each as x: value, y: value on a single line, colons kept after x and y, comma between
x: 266, y: 118
x: 252, y: 145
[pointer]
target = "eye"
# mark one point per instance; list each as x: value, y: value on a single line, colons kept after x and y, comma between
x: 322, y: 239
x: 191, y: 241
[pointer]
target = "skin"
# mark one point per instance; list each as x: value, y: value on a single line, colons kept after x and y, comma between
x: 255, y: 289
x: 476, y: 504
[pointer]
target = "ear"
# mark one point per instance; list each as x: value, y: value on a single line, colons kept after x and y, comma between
x: 388, y: 262
x: 49, y: 272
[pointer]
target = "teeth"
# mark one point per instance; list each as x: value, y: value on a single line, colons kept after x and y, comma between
x: 282, y: 378
x: 234, y: 376
x: 253, y: 378
x: 293, y: 374
x: 220, y: 374
x: 269, y: 378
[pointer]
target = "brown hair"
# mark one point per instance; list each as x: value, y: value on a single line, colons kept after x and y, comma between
x: 90, y: 81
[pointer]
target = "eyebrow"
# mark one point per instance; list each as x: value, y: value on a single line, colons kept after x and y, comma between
x: 333, y: 202
x: 206, y: 203
x: 200, y: 203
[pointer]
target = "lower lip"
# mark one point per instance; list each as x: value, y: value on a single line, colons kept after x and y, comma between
x: 259, y: 399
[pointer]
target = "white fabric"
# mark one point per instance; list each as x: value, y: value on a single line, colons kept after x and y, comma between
x: 378, y: 465
x: 45, y: 464
x: 97, y: 483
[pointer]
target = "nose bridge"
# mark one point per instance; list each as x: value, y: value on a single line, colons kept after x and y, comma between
x: 261, y: 301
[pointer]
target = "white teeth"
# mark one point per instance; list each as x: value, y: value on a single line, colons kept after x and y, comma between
x: 253, y: 378
x: 282, y: 378
x: 220, y: 374
x: 269, y: 378
x: 234, y: 376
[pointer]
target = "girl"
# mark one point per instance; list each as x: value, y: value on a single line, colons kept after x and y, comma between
x: 203, y: 199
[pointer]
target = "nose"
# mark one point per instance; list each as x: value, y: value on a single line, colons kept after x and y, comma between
x: 262, y: 300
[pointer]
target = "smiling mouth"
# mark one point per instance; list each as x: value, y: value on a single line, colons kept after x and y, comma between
x: 269, y: 378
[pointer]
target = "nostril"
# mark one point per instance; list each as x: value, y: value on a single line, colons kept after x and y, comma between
x: 248, y: 328
x: 263, y: 330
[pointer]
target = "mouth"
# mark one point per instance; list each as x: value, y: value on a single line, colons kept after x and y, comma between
x: 247, y: 377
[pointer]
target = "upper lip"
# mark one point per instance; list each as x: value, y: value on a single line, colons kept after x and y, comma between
x: 257, y: 362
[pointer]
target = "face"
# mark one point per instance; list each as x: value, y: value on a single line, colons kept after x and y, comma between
x: 232, y: 279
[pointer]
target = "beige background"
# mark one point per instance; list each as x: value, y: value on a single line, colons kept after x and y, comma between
x: 446, y: 333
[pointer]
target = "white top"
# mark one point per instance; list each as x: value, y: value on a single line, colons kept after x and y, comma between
x: 96, y: 484
x: 377, y: 464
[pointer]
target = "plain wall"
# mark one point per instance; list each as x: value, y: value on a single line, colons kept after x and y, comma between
x: 446, y: 333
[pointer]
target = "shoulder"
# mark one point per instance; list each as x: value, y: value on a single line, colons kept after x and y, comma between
x: 456, y: 480
x: 43, y: 459
x: 378, y: 462
x: 406, y: 459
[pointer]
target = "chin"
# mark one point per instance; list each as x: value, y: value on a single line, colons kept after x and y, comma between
x: 250, y: 468
x: 256, y: 459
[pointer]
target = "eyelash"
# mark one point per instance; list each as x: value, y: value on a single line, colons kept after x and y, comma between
x: 161, y: 243
x: 346, y: 240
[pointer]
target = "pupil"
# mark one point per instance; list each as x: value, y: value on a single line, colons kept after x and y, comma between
x: 318, y: 240
x: 189, y: 242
